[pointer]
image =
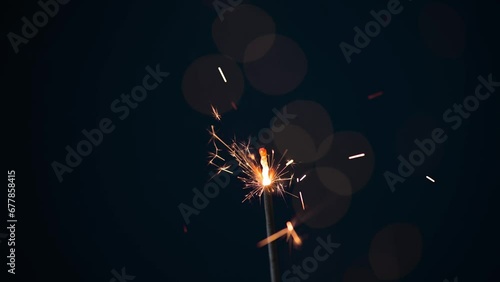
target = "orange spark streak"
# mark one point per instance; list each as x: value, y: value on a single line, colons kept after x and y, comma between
x: 296, y: 238
x: 273, y: 237
x: 302, y: 201
x: 215, y: 113
x: 288, y: 231
x: 375, y: 95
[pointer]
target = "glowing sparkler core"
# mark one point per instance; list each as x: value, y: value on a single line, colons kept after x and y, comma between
x: 266, y: 174
x: 266, y: 180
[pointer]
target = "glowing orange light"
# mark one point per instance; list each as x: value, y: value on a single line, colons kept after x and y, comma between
x: 288, y: 231
x: 266, y: 180
x: 259, y: 175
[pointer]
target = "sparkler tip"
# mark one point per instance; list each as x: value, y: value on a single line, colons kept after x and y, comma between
x: 263, y: 152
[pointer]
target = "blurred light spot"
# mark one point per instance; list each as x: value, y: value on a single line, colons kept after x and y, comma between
x: 324, y: 207
x: 358, y: 172
x: 244, y: 24
x: 280, y: 70
x: 203, y: 88
x: 395, y: 251
x: 373, y: 96
x: 307, y: 134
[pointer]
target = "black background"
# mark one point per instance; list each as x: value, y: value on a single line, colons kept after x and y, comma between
x: 119, y: 208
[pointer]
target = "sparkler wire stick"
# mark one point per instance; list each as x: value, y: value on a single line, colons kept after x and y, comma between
x: 268, y: 210
x: 271, y: 247
x: 264, y: 177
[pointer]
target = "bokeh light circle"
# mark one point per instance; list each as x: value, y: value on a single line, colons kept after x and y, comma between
x: 416, y: 131
x: 280, y: 70
x: 334, y: 180
x: 203, y: 84
x: 395, y: 251
x: 359, y: 274
x: 239, y: 28
x: 308, y: 134
x: 358, y: 170
x: 323, y: 206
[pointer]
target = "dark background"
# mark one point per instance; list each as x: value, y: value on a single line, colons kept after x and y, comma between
x: 119, y: 208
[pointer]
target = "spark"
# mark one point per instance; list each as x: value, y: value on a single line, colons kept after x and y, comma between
x: 224, y: 168
x: 289, y: 231
x: 430, y: 179
x: 357, y: 156
x: 234, y: 105
x: 272, y: 238
x: 302, y: 201
x: 373, y: 96
x: 222, y: 74
x: 214, y: 155
x: 215, y: 113
x: 302, y: 178
x: 185, y: 229
x: 256, y: 174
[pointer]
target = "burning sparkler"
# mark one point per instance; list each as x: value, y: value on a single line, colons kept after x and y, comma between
x: 267, y: 174
x: 262, y: 177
